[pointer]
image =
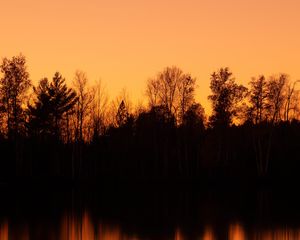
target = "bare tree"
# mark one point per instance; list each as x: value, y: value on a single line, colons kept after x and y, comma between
x: 83, y: 105
x: 291, y: 100
x: 270, y: 100
x: 295, y: 107
x: 99, y: 109
x: 139, y: 108
x: 186, y: 92
x: 173, y: 90
x: 152, y: 92
x: 276, y: 97
x: 115, y: 104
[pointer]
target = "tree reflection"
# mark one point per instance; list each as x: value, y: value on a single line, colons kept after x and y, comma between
x: 4, y: 231
x: 236, y: 232
x: 75, y: 227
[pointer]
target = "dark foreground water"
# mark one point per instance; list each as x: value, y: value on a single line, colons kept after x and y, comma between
x: 149, y: 212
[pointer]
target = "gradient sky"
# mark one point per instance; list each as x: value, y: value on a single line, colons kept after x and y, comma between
x: 126, y: 42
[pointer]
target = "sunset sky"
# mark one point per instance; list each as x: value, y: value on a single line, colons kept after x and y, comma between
x: 126, y: 42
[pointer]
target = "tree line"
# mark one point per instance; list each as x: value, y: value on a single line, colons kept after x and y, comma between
x: 73, y: 131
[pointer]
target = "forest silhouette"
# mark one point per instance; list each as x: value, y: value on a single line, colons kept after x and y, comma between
x: 72, y: 132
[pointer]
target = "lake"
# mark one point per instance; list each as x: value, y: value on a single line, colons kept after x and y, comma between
x: 143, y: 212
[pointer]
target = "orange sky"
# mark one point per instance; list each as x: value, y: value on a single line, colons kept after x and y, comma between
x: 124, y: 42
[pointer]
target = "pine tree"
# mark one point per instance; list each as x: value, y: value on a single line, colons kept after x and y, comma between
x: 53, y: 101
x: 122, y: 115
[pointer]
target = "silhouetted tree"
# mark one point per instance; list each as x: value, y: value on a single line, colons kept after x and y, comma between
x: 13, y: 88
x: 276, y: 97
x: 257, y: 111
x: 83, y: 105
x: 173, y: 90
x: 40, y: 113
x: 122, y: 115
x: 194, y: 117
x: 152, y: 92
x: 226, y: 98
x: 164, y: 87
x: 291, y: 101
x: 114, y: 107
x: 99, y: 110
x: 186, y: 92
x: 271, y: 100
x: 53, y: 100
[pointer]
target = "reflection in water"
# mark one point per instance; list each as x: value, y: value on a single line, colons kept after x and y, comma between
x: 148, y: 215
x: 82, y: 228
x: 109, y: 232
x: 76, y: 228
x: 4, y: 231
x: 178, y: 235
x: 279, y: 234
x: 236, y: 232
x: 20, y: 232
x: 208, y: 234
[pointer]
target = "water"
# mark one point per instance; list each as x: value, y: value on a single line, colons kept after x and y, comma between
x: 149, y: 212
